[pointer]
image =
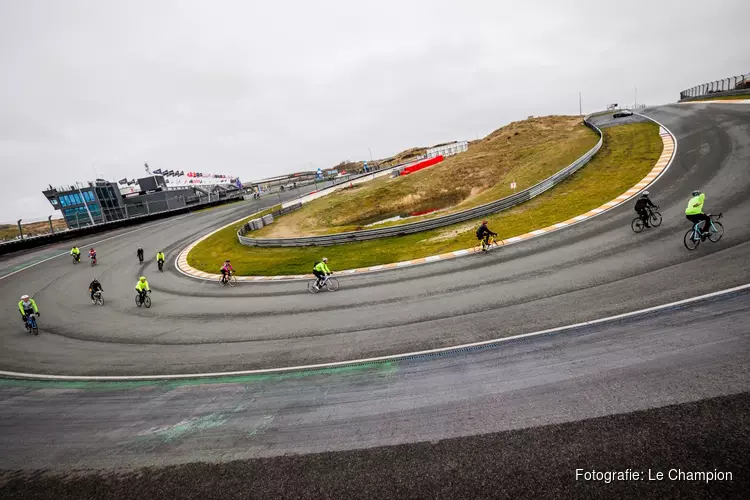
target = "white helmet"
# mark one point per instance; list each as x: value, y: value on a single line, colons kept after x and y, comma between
x: 25, y: 298
x: 645, y: 193
x: 325, y: 259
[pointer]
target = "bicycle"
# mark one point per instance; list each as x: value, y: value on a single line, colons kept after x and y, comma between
x: 330, y: 284
x: 98, y: 298
x: 31, y: 324
x: 161, y: 265
x: 654, y: 219
x: 143, y: 299
x: 76, y: 259
x: 230, y: 279
x: 491, y: 244
x: 140, y: 259
x: 93, y: 261
x: 694, y: 236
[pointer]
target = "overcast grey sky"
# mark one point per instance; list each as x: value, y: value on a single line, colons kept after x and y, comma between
x: 259, y: 88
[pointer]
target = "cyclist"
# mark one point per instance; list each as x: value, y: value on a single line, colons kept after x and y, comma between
x: 76, y: 253
x: 142, y: 287
x: 160, y: 258
x: 92, y: 255
x: 94, y: 287
x: 642, y: 206
x: 139, y: 252
x: 694, y: 212
x: 226, y: 271
x: 27, y: 306
x: 483, y: 234
x: 320, y: 269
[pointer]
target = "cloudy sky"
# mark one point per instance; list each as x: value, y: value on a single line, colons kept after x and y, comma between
x: 258, y: 88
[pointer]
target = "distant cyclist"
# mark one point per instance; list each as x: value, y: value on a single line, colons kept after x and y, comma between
x: 642, y: 206
x: 139, y: 252
x: 94, y: 287
x: 694, y: 212
x: 142, y: 287
x: 160, y: 259
x: 483, y: 234
x: 226, y: 271
x: 320, y: 270
x: 76, y: 253
x: 27, y: 306
x: 92, y: 255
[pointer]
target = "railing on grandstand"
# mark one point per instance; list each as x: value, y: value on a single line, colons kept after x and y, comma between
x: 726, y: 86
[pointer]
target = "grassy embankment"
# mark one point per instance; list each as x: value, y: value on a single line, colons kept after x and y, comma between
x: 628, y: 154
x: 724, y: 98
x: 525, y: 152
x: 10, y: 231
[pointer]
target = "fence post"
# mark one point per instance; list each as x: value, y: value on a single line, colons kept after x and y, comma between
x: 167, y: 197
x: 126, y: 212
x: 51, y: 230
x: 148, y: 209
x: 20, y: 229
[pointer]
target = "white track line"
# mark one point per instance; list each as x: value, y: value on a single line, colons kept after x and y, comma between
x: 393, y: 357
x: 92, y: 244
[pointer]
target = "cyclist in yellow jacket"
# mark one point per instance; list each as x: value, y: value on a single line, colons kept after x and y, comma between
x: 160, y: 259
x: 142, y: 287
x: 320, y: 270
x: 27, y: 306
x: 694, y: 212
x: 76, y: 253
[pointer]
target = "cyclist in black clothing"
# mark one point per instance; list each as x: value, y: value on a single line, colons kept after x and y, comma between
x: 94, y: 287
x: 642, y: 206
x: 484, y: 233
x: 140, y: 254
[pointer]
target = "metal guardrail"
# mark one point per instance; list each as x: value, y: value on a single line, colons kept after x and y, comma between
x: 447, y: 220
x: 733, y: 85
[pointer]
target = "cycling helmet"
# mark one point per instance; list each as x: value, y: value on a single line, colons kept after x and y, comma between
x: 696, y: 192
x: 645, y: 193
x: 24, y: 298
x: 142, y: 278
x: 325, y: 259
x: 484, y: 222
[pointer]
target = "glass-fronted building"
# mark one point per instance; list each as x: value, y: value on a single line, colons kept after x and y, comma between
x: 86, y: 204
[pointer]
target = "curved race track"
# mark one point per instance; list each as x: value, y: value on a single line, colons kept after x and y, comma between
x: 595, y: 269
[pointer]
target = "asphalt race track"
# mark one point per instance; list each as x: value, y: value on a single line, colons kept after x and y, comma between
x: 594, y: 269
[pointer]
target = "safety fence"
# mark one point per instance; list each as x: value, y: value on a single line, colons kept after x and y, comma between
x: 438, y: 222
x: 734, y: 85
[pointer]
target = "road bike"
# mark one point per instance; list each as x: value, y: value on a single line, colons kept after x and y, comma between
x: 694, y: 236
x: 161, y: 265
x: 492, y: 243
x: 140, y: 259
x: 329, y: 283
x: 143, y: 299
x: 93, y: 261
x: 76, y: 259
x: 98, y: 298
x: 31, y: 324
x: 654, y: 218
x: 230, y: 279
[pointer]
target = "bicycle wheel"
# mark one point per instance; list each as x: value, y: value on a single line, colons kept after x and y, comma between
x: 35, y: 328
x: 138, y: 300
x: 232, y: 280
x: 655, y: 219
x: 147, y: 301
x: 716, y: 236
x: 691, y: 240
x: 100, y: 299
x: 637, y: 225
x: 311, y: 286
x: 332, y: 284
x: 478, y: 247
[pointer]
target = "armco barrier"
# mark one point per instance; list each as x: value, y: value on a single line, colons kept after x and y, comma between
x: 37, y: 241
x: 447, y: 220
x: 422, y: 164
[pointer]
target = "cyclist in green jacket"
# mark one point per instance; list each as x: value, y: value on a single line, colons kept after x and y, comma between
x: 76, y: 253
x: 142, y: 287
x: 694, y: 212
x: 27, y: 306
x: 160, y: 258
x: 320, y: 270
